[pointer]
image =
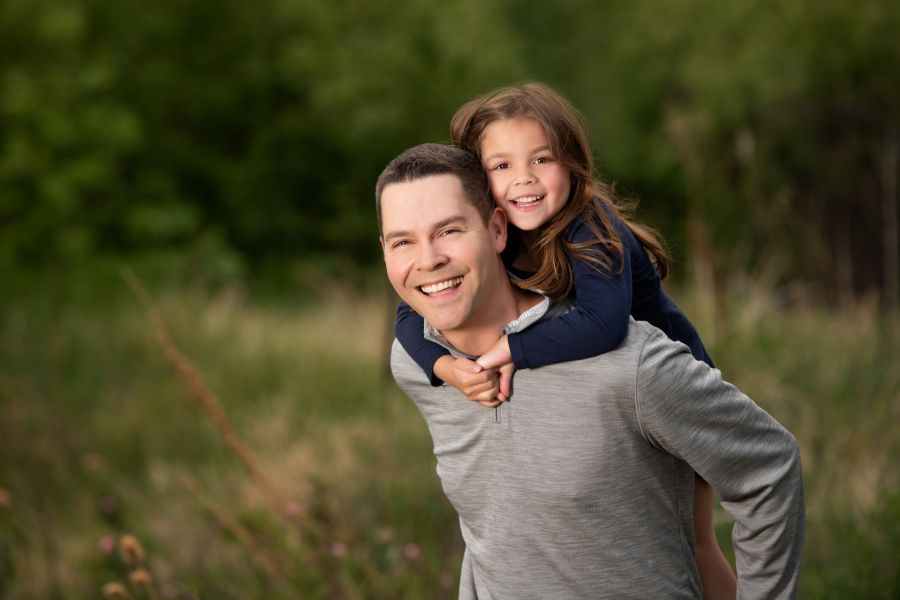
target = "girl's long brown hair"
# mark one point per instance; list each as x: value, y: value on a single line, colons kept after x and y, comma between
x: 590, y: 198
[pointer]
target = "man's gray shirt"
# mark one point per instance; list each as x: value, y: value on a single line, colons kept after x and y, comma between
x: 582, y: 485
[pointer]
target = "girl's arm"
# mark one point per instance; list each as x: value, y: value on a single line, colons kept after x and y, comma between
x: 650, y: 302
x: 409, y: 329
x: 597, y: 324
x: 475, y: 382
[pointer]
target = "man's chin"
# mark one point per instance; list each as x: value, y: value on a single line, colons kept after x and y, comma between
x: 443, y: 322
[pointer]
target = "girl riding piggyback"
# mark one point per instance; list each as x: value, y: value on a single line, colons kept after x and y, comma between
x: 571, y: 240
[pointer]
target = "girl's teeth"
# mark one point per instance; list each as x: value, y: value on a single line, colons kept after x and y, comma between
x: 528, y: 201
x: 442, y: 285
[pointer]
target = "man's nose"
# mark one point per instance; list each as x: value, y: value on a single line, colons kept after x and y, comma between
x: 431, y: 257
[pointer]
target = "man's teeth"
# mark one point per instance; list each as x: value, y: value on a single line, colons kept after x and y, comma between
x: 527, y: 200
x: 442, y: 285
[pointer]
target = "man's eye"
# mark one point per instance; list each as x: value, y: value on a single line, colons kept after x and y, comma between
x: 450, y: 231
x: 400, y: 243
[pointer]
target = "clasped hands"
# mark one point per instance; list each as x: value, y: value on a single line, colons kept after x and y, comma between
x: 487, y: 380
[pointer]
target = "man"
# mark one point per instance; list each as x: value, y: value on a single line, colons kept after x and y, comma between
x: 582, y: 485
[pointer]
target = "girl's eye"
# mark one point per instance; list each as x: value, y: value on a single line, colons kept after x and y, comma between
x: 500, y: 166
x: 542, y: 159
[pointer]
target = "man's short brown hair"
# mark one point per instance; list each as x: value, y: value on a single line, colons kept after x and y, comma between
x: 426, y: 160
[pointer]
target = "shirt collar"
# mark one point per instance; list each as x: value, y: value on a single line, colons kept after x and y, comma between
x: 543, y: 309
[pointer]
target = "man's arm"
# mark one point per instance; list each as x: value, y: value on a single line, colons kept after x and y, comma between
x: 686, y: 409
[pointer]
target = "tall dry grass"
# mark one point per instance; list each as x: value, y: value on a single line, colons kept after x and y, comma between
x: 101, y: 437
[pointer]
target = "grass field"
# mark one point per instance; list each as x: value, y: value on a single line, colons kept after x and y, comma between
x: 319, y: 480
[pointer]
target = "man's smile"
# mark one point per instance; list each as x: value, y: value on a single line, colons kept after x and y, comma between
x: 432, y: 289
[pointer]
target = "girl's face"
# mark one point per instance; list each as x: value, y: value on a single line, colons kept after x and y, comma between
x: 525, y: 178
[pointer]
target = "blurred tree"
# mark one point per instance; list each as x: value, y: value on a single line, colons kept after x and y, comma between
x: 251, y: 128
x: 762, y: 134
x: 244, y: 134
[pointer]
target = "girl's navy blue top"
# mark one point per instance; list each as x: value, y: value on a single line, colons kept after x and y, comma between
x: 599, y: 321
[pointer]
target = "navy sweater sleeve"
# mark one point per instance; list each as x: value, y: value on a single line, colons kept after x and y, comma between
x: 409, y: 329
x: 597, y: 324
x: 603, y: 301
x: 650, y: 302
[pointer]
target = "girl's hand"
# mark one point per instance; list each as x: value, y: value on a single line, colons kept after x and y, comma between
x: 471, y: 379
x: 497, y: 356
x: 505, y: 383
x: 500, y: 357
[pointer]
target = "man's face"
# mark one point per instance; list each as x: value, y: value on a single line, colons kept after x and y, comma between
x: 441, y: 258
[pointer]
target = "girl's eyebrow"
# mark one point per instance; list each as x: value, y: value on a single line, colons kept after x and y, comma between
x: 544, y: 148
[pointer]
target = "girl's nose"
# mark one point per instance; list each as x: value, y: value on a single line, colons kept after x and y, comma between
x: 524, y: 176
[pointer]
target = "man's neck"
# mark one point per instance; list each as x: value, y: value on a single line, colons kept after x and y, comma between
x: 483, y: 330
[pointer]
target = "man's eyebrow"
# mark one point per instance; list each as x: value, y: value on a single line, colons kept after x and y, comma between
x: 449, y: 221
x: 439, y: 225
x: 395, y: 234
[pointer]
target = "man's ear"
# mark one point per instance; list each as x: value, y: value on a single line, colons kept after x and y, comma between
x: 497, y: 226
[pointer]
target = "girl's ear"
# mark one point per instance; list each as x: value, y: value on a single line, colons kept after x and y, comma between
x: 497, y: 227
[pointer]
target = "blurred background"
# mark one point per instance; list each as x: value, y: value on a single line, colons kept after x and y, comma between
x: 194, y: 322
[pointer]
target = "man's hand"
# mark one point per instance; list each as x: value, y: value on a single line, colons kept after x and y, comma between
x: 474, y: 381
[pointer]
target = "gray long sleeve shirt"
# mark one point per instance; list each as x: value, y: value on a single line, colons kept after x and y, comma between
x: 582, y: 485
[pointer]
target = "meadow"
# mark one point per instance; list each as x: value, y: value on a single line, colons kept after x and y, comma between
x: 247, y: 448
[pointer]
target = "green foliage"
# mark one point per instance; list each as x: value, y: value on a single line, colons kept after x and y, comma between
x: 857, y: 555
x: 262, y: 126
x: 257, y: 130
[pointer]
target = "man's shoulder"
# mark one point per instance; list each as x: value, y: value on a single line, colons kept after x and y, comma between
x: 641, y: 339
x: 616, y: 364
x: 646, y: 341
x: 406, y: 372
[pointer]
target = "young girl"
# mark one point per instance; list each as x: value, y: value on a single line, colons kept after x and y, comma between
x: 568, y: 238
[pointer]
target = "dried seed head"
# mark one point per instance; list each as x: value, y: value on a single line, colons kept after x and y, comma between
x: 141, y: 578
x: 93, y: 462
x: 5, y: 498
x: 131, y: 550
x: 116, y: 591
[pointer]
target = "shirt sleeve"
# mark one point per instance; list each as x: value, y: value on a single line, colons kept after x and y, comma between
x: 686, y: 409
x: 598, y: 322
x: 409, y: 328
